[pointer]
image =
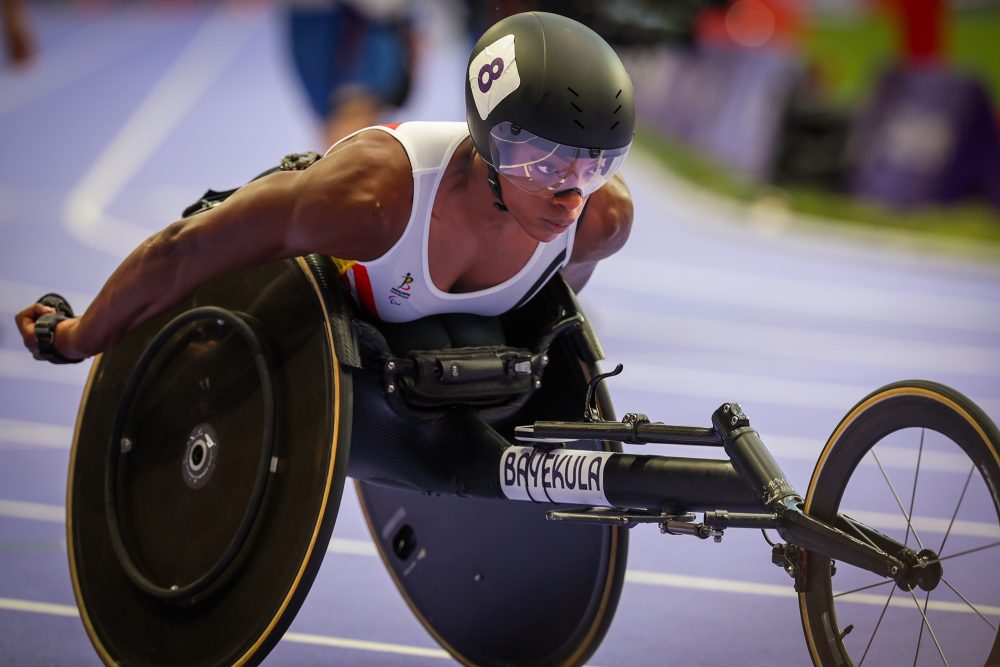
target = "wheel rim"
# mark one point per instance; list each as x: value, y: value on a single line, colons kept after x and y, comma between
x: 920, y: 469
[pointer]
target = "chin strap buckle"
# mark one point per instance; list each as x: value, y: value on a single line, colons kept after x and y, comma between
x: 493, y: 178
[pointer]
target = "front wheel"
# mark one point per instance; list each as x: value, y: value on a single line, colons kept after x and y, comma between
x: 918, y: 462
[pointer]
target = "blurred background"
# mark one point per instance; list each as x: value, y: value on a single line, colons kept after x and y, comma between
x: 880, y: 113
x: 817, y: 189
x: 877, y: 112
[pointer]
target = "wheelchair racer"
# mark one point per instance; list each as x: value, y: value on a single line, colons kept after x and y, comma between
x: 432, y: 217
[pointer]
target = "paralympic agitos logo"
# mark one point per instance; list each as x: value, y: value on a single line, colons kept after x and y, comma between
x: 400, y: 293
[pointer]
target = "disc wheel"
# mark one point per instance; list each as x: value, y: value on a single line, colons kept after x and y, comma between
x: 918, y: 462
x: 206, y: 472
x: 494, y: 582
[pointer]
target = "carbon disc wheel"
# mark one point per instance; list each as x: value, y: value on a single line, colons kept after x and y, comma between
x: 207, y: 469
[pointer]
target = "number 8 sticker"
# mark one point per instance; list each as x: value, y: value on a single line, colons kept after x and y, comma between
x: 493, y: 75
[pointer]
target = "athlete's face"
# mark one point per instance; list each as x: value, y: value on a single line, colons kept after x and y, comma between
x: 543, y: 215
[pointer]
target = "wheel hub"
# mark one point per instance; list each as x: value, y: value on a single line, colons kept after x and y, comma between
x: 923, y: 570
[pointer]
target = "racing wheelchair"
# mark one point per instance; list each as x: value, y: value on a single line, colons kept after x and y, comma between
x: 213, y: 443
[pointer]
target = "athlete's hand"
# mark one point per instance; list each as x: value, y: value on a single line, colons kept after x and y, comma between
x: 18, y: 37
x: 64, y: 332
x: 26, y: 325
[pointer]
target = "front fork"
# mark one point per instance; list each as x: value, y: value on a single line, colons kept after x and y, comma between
x: 847, y: 540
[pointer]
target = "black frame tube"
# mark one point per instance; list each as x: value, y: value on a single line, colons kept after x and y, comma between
x: 680, y: 484
x: 688, y: 484
x: 638, y: 434
x: 750, y: 457
x: 800, y: 529
x: 749, y: 487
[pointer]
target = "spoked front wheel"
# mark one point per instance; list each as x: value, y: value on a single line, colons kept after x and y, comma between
x: 918, y: 462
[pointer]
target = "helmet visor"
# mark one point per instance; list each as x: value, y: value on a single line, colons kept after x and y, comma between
x: 536, y: 164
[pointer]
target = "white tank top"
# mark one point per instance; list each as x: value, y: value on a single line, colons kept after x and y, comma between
x: 397, y: 286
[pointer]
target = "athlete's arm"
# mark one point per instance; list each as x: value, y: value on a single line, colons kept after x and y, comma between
x: 354, y: 204
x: 601, y: 231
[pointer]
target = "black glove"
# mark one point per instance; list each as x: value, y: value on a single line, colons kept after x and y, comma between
x: 45, y: 328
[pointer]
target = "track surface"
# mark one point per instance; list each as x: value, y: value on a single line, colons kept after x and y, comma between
x: 129, y: 115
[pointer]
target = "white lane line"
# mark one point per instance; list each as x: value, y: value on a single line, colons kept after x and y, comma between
x: 34, y: 434
x: 640, y: 577
x: 18, y: 365
x: 10, y: 604
x: 907, y: 603
x: 707, y: 584
x: 204, y: 59
x: 823, y: 300
x: 48, y: 608
x: 784, y: 591
x: 672, y: 331
x: 884, y: 521
x: 879, y: 520
x: 344, y: 545
x: 16, y: 509
x: 19, y: 509
x: 362, y: 645
x: 642, y: 376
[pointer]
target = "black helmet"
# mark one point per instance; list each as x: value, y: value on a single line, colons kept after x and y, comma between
x: 552, y: 76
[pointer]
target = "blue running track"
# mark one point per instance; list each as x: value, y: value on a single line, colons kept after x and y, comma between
x: 129, y: 114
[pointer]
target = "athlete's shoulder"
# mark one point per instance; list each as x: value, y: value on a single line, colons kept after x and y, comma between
x: 370, y: 145
x: 370, y: 160
x: 358, y: 196
x: 606, y: 222
x: 445, y: 128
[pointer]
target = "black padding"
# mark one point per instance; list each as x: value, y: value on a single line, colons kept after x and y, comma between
x: 179, y: 508
x: 343, y: 323
x: 45, y: 333
x: 59, y: 302
x: 443, y: 331
x: 491, y: 580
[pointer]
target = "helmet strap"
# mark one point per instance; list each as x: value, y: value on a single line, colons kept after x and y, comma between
x: 493, y: 178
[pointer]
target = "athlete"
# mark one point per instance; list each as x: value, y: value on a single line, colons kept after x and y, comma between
x: 432, y: 217
x: 354, y: 59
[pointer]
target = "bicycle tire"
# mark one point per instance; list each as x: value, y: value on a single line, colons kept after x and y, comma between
x: 891, y: 414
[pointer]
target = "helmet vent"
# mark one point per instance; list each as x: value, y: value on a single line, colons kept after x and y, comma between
x: 619, y: 93
x: 579, y: 110
x: 616, y: 123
